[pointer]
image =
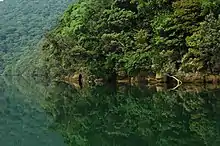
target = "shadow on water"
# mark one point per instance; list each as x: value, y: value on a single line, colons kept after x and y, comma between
x: 134, y: 115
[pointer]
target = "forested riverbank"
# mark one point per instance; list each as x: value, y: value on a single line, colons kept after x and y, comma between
x: 113, y: 40
x: 129, y: 38
x: 141, y: 42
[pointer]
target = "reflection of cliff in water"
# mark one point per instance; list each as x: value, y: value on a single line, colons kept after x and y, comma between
x: 133, y: 115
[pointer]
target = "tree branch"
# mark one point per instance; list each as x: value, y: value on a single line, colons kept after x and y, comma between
x: 179, y: 83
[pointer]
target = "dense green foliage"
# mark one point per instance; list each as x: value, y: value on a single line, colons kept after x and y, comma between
x: 128, y: 116
x: 132, y: 36
x: 22, y: 24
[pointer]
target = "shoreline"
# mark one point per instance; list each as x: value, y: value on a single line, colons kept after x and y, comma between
x: 158, y: 78
x: 158, y: 87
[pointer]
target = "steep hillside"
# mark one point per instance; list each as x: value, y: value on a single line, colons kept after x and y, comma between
x: 22, y: 25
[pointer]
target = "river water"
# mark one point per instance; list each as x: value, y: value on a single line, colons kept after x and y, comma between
x: 41, y: 113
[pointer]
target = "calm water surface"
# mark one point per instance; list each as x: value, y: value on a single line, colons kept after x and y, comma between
x: 23, y: 121
x: 39, y: 113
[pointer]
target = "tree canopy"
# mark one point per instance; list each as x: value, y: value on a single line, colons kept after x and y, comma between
x: 131, y: 36
x: 22, y: 25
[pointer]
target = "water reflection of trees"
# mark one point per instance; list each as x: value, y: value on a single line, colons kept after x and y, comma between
x: 127, y: 116
x: 23, y: 121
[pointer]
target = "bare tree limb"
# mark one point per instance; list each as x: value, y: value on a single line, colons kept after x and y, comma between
x: 179, y: 83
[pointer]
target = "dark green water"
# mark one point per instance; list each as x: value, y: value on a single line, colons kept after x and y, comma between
x: 39, y: 113
x: 23, y: 122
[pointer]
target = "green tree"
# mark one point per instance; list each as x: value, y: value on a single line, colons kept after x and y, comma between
x: 129, y: 36
x: 204, y: 46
